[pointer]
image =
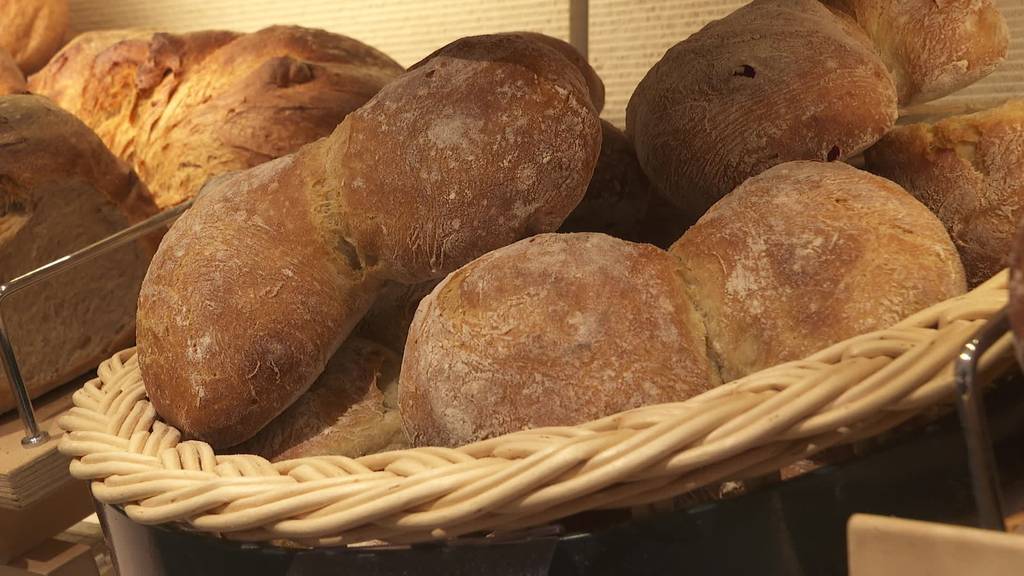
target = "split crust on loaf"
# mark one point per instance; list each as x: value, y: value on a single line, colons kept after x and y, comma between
x: 491, y: 139
x: 554, y: 330
x: 61, y: 190
x: 969, y: 170
x: 807, y: 254
x: 184, y: 107
x: 775, y: 81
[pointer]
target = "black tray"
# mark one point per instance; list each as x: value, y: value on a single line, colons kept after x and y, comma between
x: 794, y: 528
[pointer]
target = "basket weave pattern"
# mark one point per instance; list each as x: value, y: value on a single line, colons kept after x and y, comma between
x: 743, y: 429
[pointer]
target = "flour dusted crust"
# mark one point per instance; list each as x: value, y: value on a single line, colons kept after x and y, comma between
x: 184, y: 107
x: 807, y: 254
x: 32, y: 30
x: 12, y: 81
x: 776, y: 80
x: 969, y: 170
x: 553, y: 330
x: 618, y: 194
x: 933, y: 47
x: 351, y: 410
x: 251, y: 292
x: 61, y: 190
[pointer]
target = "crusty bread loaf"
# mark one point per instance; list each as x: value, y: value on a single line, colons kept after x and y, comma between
x: 776, y: 80
x: 491, y: 139
x: 932, y: 48
x: 61, y: 190
x: 182, y: 108
x: 969, y: 170
x: 351, y: 410
x: 807, y: 254
x: 553, y: 330
x: 618, y: 193
x: 33, y: 30
x: 12, y: 81
x: 595, y: 87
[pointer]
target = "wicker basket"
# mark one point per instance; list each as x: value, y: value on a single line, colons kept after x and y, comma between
x: 743, y: 429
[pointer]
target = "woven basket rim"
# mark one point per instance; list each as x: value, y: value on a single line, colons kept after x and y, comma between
x: 746, y: 428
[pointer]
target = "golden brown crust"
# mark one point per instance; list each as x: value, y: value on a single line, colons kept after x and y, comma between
x: 618, y: 193
x: 61, y: 190
x: 12, y: 81
x: 776, y: 80
x: 553, y: 330
x: 351, y: 410
x: 807, y: 254
x: 33, y: 30
x: 969, y: 170
x: 185, y: 107
x: 931, y: 47
x: 507, y: 136
x: 259, y: 283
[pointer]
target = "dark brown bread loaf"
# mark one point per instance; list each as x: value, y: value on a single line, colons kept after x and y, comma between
x: 807, y: 254
x: 617, y: 196
x: 489, y: 140
x: 776, y: 80
x: 351, y: 410
x: 184, y: 107
x: 553, y: 330
x: 969, y: 170
x: 61, y: 190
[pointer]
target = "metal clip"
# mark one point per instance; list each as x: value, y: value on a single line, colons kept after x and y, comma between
x: 33, y: 435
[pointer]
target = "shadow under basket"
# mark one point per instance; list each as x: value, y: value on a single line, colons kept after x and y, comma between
x: 512, y: 505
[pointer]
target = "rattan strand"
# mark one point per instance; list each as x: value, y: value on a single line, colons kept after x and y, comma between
x: 747, y: 428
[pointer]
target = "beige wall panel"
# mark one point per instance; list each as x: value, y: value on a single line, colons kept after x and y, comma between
x: 626, y: 37
x: 407, y: 30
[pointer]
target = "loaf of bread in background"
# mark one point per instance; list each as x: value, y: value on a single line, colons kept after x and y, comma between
x: 184, y: 107
x: 387, y: 321
x: 351, y: 410
x: 553, y: 330
x: 807, y: 254
x: 12, y: 81
x: 33, y: 30
x: 969, y: 170
x: 932, y: 48
x: 776, y: 80
x: 61, y: 190
x: 489, y: 140
x: 618, y: 193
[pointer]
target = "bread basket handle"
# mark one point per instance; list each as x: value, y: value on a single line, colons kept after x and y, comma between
x: 33, y: 435
x: 988, y: 494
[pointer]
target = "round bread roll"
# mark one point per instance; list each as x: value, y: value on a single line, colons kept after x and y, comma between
x: 351, y: 410
x: 553, y: 330
x: 776, y: 80
x: 969, y: 170
x: 618, y: 192
x: 33, y: 30
x: 933, y: 48
x: 12, y: 81
x: 808, y: 254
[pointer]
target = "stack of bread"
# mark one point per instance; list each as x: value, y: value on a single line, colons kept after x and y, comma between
x: 462, y: 250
